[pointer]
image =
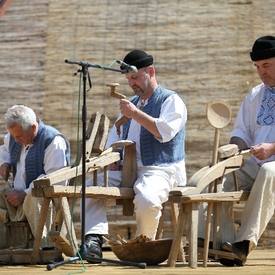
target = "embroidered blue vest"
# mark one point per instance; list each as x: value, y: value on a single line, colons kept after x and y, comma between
x: 35, y: 157
x: 154, y: 152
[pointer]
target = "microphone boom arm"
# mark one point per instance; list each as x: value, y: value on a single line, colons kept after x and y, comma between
x: 87, y: 64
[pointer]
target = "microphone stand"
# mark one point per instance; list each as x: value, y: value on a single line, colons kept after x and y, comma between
x: 84, y: 253
x: 85, y: 65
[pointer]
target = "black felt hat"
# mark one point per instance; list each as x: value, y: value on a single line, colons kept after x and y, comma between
x: 263, y: 48
x: 138, y: 58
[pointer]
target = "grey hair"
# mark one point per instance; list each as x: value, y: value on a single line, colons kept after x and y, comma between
x: 20, y: 115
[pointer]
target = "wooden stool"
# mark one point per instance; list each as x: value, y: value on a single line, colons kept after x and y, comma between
x: 18, y: 235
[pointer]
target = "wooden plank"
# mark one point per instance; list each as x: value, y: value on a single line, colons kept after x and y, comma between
x: 211, y: 197
x: 91, y: 132
x: 62, y: 243
x: 41, y: 221
x: 102, y: 135
x: 56, y: 191
x: 227, y: 151
x: 24, y: 256
x: 183, y: 190
x: 67, y: 223
x: 129, y: 173
x: 71, y: 172
x: 105, y: 158
x: 218, y: 253
x: 193, y: 246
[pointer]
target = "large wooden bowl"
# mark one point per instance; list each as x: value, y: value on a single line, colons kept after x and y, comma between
x: 151, y: 253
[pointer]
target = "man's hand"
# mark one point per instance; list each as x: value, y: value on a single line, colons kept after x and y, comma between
x: 114, y: 166
x: 127, y: 108
x: 16, y: 197
x: 263, y: 150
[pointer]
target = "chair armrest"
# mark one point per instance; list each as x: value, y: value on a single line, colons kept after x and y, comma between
x: 207, y: 175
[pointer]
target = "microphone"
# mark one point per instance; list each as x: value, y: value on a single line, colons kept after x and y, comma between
x: 129, y: 68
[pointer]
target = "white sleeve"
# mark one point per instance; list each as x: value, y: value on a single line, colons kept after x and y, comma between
x: 173, y: 117
x: 4, y: 150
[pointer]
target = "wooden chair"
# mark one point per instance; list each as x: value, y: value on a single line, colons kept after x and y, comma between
x: 123, y: 195
x: 191, y: 195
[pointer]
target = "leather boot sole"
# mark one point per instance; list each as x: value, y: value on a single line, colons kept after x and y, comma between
x: 240, y: 261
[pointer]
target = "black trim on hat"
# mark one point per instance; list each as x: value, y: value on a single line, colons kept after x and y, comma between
x: 144, y: 62
x: 260, y: 55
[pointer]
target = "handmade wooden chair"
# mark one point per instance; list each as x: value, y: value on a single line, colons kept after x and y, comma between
x: 225, y: 159
x: 96, y: 138
x: 189, y: 198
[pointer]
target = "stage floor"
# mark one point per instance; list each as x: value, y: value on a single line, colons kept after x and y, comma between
x: 259, y: 262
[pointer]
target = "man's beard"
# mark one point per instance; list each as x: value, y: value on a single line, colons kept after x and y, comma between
x: 139, y: 92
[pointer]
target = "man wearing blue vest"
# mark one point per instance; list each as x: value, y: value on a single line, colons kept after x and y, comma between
x: 156, y: 123
x: 31, y: 150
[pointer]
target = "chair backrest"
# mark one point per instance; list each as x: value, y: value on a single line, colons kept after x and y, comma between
x: 96, y: 137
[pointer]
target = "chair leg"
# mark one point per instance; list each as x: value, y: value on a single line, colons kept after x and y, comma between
x: 217, y: 221
x: 160, y: 225
x: 67, y: 246
x: 175, y: 213
x: 193, y: 240
x: 182, y: 218
x: 39, y: 230
x: 207, y: 233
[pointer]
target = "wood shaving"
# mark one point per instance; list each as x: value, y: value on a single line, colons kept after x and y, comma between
x: 121, y: 241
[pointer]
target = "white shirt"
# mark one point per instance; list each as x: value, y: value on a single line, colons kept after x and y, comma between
x: 54, y: 159
x: 246, y: 126
x: 172, y: 118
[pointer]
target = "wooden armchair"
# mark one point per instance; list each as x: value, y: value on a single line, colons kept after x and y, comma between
x: 191, y: 195
x: 96, y: 138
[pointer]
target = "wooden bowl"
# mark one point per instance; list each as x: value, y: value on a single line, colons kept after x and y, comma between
x: 151, y: 253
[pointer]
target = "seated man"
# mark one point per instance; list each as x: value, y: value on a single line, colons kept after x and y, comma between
x: 156, y: 123
x: 31, y: 150
x: 254, y: 128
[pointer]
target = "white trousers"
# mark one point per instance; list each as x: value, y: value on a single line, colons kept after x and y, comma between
x: 259, y: 208
x: 151, y: 189
x: 29, y: 211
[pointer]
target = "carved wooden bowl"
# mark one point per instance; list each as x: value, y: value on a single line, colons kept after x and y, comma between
x: 151, y: 253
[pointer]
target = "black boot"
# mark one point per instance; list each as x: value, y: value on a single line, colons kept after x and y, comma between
x: 94, y: 244
x: 240, y: 249
x: 201, y: 243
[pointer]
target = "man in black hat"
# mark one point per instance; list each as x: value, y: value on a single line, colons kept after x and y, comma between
x: 156, y: 123
x: 254, y: 128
